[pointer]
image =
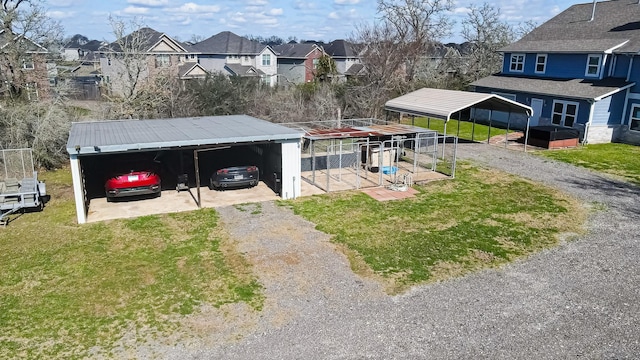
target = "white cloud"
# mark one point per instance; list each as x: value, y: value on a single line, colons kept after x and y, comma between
x: 135, y: 10
x: 60, y: 14
x: 150, y: 3
x: 346, y: 2
x: 334, y: 15
x: 304, y: 5
x: 62, y: 3
x: 461, y: 10
x: 276, y: 12
x: 258, y: 2
x: 192, y: 8
x: 238, y: 18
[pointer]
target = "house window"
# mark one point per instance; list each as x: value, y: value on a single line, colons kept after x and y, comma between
x: 163, y: 60
x: 517, y: 63
x: 246, y: 58
x: 564, y: 113
x: 541, y: 63
x: 315, y: 63
x: 266, y: 59
x: 593, y: 65
x: 634, y: 122
x: 27, y: 64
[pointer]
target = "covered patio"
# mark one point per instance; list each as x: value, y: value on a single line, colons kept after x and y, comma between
x: 478, y: 108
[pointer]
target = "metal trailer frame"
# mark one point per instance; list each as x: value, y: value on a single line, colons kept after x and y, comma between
x: 20, y: 188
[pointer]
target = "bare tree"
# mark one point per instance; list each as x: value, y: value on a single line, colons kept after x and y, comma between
x: 384, y: 69
x: 25, y: 33
x: 417, y: 24
x: 486, y: 33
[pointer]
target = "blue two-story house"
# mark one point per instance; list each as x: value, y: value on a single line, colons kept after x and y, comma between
x: 580, y: 69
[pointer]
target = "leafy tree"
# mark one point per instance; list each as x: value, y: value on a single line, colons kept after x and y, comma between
x: 325, y: 68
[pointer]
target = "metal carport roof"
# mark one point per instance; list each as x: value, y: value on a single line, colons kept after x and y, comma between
x: 441, y: 104
x: 132, y: 135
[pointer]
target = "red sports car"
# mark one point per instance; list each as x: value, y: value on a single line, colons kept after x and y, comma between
x: 132, y: 183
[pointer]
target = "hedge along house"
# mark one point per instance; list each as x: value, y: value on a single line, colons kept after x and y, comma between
x: 173, y: 147
x: 579, y: 69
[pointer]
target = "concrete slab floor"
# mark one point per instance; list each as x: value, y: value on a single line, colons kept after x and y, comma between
x: 174, y: 201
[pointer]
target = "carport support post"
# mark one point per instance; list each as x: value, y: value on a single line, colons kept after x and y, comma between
x: 313, y: 161
x: 78, y: 191
x: 473, y: 129
x: 526, y: 134
x: 459, y: 120
x: 506, y: 136
x: 489, y: 133
x: 197, y: 166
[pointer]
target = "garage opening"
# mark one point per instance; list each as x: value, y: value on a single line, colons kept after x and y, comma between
x: 184, y: 153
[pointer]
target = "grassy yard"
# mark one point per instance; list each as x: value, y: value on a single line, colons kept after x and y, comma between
x: 480, y: 219
x: 481, y: 132
x: 66, y: 288
x: 620, y: 160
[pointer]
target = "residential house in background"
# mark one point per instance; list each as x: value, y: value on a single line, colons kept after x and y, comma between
x: 347, y: 58
x: 297, y: 62
x: 235, y: 55
x: 80, y: 48
x: 31, y: 77
x: 147, y: 54
x: 580, y: 69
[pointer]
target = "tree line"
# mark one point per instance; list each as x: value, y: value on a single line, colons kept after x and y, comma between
x: 401, y: 51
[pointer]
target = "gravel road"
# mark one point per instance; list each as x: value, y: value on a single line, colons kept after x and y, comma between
x: 578, y: 300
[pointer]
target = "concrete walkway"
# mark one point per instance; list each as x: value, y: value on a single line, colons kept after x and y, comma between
x: 579, y: 300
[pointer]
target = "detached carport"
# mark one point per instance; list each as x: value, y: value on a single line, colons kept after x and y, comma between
x: 444, y: 104
x: 93, y: 146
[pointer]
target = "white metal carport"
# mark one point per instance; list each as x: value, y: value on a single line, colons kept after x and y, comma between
x: 89, y: 139
x: 443, y: 104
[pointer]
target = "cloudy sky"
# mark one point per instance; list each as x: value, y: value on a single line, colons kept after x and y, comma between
x: 315, y: 19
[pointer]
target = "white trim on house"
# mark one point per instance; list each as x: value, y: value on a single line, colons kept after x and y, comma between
x: 626, y: 87
x: 544, y: 63
x: 164, y: 37
x: 518, y: 60
x: 637, y: 118
x: 610, y: 51
x: 590, y: 65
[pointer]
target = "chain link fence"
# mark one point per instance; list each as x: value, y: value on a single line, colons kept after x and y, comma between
x: 16, y: 164
x: 346, y: 164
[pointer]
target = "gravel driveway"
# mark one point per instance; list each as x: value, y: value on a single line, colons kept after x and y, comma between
x: 578, y: 300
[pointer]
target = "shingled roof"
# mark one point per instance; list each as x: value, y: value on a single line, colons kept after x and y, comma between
x: 295, y: 51
x: 340, y: 49
x: 614, y: 28
x: 227, y: 42
x: 573, y: 88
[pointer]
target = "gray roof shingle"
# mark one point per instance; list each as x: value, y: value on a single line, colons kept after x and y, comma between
x: 615, y: 22
x: 227, y: 42
x: 294, y: 51
x: 567, y: 88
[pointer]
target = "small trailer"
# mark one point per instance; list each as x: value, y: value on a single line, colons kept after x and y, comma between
x: 20, y: 188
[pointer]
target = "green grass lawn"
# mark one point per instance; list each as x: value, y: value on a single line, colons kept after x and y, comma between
x: 620, y: 160
x: 482, y: 218
x: 65, y: 288
x: 480, y: 132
